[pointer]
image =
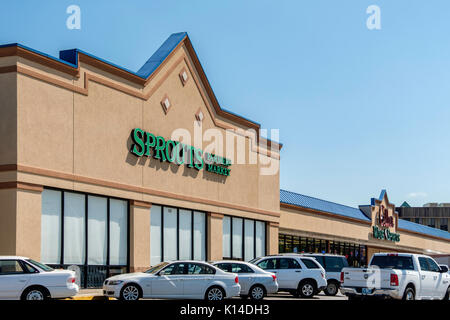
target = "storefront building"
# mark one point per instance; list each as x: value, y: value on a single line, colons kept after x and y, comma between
x: 102, y: 168
x: 309, y: 224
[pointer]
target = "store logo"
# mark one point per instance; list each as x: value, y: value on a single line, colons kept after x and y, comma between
x: 385, y: 234
x: 148, y: 145
x: 384, y: 224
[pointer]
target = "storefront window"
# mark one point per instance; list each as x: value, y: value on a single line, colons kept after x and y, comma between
x: 356, y: 254
x: 118, y: 232
x: 155, y: 235
x: 185, y: 238
x: 249, y: 239
x: 74, y: 228
x: 97, y: 233
x: 85, y: 230
x: 199, y: 236
x: 51, y: 226
x: 243, y: 239
x: 260, y: 238
x: 226, y: 232
x: 176, y: 234
x: 237, y: 238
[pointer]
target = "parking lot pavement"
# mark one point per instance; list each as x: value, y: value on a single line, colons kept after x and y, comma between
x: 320, y: 296
x: 85, y: 293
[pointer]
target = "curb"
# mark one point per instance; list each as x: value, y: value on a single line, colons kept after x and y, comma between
x: 98, y: 298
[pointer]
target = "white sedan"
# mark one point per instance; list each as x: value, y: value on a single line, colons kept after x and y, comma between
x: 255, y: 282
x: 26, y: 279
x: 179, y: 280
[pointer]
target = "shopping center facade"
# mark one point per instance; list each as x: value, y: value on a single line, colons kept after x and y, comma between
x: 114, y: 171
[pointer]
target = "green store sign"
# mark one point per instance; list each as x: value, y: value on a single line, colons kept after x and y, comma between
x: 146, y: 144
x: 385, y: 234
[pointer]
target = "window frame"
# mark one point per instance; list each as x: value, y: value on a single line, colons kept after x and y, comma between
x: 243, y: 238
x: 85, y: 265
x: 192, y: 213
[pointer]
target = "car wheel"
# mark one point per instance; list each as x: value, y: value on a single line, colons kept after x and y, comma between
x: 215, y: 294
x: 35, y: 294
x: 130, y: 293
x: 409, y: 294
x: 332, y: 289
x: 257, y: 293
x: 307, y: 289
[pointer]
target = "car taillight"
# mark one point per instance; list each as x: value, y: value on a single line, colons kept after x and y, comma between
x: 236, y: 279
x: 274, y: 277
x: 342, y: 277
x: 71, y: 280
x: 394, y: 279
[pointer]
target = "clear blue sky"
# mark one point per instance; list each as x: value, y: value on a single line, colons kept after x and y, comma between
x: 358, y: 110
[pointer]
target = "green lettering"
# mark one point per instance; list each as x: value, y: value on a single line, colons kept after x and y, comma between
x: 170, y: 151
x: 159, y: 149
x: 138, y: 146
x: 150, y: 141
x: 198, y: 161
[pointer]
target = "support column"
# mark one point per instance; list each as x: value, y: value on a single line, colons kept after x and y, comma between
x: 215, y: 236
x: 272, y: 238
x: 139, y: 235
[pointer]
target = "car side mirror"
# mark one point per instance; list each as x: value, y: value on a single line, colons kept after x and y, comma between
x: 443, y: 269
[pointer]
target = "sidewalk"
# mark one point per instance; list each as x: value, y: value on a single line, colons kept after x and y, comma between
x: 89, y: 294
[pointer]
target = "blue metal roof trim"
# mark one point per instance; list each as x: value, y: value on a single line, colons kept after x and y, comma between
x: 380, y: 198
x: 70, y: 57
x: 412, y: 226
x: 38, y: 52
x: 301, y: 200
x: 161, y: 54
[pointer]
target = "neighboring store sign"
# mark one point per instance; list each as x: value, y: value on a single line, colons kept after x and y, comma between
x: 384, y: 219
x: 147, y: 144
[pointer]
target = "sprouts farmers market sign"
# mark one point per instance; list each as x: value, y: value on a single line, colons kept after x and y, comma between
x: 148, y: 145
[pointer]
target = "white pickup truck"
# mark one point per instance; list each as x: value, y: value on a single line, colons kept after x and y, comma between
x: 397, y: 275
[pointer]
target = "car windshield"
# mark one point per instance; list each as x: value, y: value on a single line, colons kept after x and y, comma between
x: 156, y: 268
x: 254, y: 260
x: 40, y: 265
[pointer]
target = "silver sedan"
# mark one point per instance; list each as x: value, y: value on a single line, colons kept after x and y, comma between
x: 255, y: 282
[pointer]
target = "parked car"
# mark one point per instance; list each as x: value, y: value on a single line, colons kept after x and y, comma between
x: 297, y: 274
x: 26, y: 279
x: 333, y: 265
x: 397, y: 275
x: 178, y: 279
x: 255, y: 282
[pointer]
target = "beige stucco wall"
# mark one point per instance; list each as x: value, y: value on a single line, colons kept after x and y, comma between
x: 8, y: 222
x: 89, y: 136
x: 139, y: 238
x: 8, y: 118
x: 215, y: 237
x: 28, y: 225
x: 80, y: 140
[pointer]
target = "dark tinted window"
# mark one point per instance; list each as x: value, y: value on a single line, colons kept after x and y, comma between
x: 319, y: 259
x: 224, y: 266
x: 433, y: 265
x: 424, y: 264
x: 288, y: 263
x: 267, y: 264
x: 335, y: 264
x: 10, y: 267
x: 195, y: 268
x: 241, y: 268
x: 393, y: 262
x: 310, y: 264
